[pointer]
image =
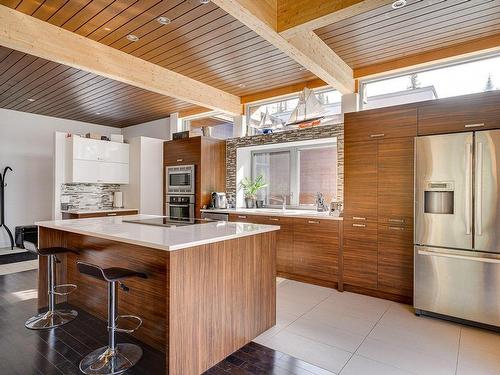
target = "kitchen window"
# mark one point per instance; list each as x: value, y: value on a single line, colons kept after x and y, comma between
x: 465, y: 77
x: 282, y: 108
x: 297, y: 174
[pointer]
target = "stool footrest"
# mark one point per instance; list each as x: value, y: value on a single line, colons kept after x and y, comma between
x: 64, y: 289
x: 127, y: 323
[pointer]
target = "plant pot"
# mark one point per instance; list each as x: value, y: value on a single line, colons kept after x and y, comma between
x: 249, y: 202
x: 259, y: 203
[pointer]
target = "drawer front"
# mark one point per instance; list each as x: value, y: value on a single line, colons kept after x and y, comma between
x: 461, y: 114
x: 244, y: 218
x: 395, y: 259
x: 382, y: 123
x: 360, y: 229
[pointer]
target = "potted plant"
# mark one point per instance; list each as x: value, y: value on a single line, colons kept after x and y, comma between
x: 250, y: 188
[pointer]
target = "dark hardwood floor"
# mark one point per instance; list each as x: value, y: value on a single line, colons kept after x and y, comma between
x: 58, y: 351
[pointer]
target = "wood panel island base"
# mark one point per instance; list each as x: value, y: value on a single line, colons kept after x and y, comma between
x: 211, y: 288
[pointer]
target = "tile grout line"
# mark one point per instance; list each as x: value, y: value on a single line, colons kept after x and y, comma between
x: 368, y: 334
x: 458, y: 351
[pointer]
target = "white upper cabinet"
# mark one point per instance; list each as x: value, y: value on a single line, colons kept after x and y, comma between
x: 95, y: 161
x: 93, y: 149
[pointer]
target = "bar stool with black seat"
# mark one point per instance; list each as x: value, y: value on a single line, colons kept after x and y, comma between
x: 53, y: 317
x: 113, y: 358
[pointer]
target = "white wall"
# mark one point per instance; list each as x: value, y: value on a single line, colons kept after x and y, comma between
x: 153, y: 129
x: 27, y: 145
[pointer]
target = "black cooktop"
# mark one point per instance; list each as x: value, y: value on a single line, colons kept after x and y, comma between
x: 166, y: 221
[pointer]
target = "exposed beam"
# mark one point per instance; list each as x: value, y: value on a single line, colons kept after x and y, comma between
x: 305, y: 48
x: 442, y: 55
x: 30, y: 35
x: 281, y: 91
x: 296, y: 16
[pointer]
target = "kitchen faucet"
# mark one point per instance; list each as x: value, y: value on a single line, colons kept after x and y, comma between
x: 281, y: 199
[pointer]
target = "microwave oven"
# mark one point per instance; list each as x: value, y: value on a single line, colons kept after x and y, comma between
x: 180, y: 179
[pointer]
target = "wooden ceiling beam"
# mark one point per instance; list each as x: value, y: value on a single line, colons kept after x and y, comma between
x: 306, y: 48
x: 27, y: 34
x: 442, y: 55
x: 299, y: 16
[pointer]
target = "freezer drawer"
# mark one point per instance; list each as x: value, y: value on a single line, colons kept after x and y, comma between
x: 458, y: 283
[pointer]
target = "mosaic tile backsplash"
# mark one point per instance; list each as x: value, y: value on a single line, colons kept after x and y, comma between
x: 88, y: 196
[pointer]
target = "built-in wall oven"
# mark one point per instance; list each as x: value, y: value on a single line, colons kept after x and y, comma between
x: 180, y: 206
x: 180, y: 179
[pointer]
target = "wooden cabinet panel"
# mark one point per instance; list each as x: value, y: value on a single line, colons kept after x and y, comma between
x: 360, y: 180
x: 360, y: 254
x: 316, y: 248
x: 459, y: 114
x: 70, y: 215
x: 395, y: 259
x: 380, y: 123
x: 243, y: 218
x: 284, y: 242
x: 395, y: 181
x: 182, y: 151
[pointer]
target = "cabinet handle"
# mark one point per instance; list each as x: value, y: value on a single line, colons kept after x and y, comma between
x: 179, y: 160
x: 377, y: 135
x: 474, y: 125
x: 274, y: 219
x: 313, y: 221
x: 396, y: 228
x: 241, y: 217
x: 396, y: 221
x: 359, y: 225
x: 358, y: 218
x: 112, y: 214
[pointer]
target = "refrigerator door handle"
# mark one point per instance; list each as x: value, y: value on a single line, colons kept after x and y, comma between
x: 456, y: 256
x: 479, y: 189
x: 468, y: 188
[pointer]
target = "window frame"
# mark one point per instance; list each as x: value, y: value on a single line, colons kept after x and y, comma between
x: 294, y: 182
x: 409, y: 71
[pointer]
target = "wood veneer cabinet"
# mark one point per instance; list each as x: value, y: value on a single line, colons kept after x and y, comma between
x: 306, y: 249
x: 460, y: 114
x: 378, y: 215
x: 209, y: 158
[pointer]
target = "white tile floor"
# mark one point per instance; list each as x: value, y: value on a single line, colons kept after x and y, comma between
x: 352, y: 334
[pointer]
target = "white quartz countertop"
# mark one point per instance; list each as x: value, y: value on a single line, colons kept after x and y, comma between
x: 308, y: 214
x: 164, y: 238
x: 98, y: 210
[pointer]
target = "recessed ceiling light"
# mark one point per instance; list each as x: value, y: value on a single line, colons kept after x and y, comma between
x: 242, y: 85
x: 163, y: 20
x: 204, y: 1
x: 31, y: 100
x: 398, y: 4
x: 302, y: 68
x: 132, y: 37
x: 98, y: 113
x: 106, y: 28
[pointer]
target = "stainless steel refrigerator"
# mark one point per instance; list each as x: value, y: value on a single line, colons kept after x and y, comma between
x: 457, y: 226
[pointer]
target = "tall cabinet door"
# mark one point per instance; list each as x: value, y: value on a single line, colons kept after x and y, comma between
x: 487, y: 191
x: 360, y: 181
x: 395, y: 181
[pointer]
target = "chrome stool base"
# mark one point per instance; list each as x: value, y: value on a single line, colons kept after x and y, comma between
x: 50, y: 319
x: 105, y: 361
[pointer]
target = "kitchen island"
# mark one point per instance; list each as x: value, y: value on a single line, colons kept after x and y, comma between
x: 210, y: 290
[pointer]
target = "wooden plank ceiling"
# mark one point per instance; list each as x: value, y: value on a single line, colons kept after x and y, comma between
x: 201, y: 41
x: 386, y: 34
x: 34, y: 85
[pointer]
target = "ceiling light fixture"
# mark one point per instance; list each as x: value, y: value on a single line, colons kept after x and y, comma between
x: 204, y: 1
x: 106, y: 28
x: 31, y: 100
x: 163, y: 20
x: 98, y: 113
x: 398, y: 4
x: 132, y: 37
x: 241, y: 85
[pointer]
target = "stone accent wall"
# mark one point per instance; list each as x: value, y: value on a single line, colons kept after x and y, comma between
x: 318, y: 132
x: 89, y: 196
